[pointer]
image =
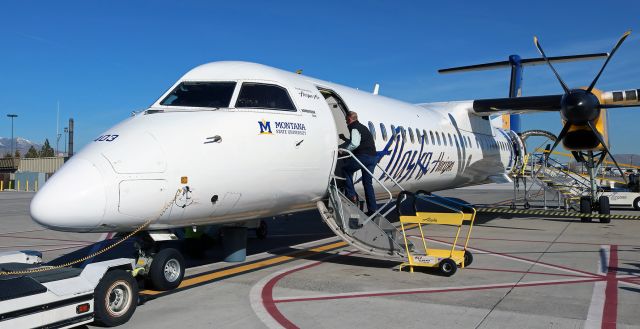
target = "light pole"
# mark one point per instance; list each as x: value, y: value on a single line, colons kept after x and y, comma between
x: 12, y: 116
x: 66, y: 131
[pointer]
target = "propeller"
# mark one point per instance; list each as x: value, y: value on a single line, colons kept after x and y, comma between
x: 581, y: 106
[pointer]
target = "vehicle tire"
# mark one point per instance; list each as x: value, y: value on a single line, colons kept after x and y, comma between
x: 604, y: 209
x: 636, y: 204
x: 262, y: 230
x: 468, y: 258
x: 167, y: 269
x: 115, y: 298
x: 447, y: 267
x: 526, y: 205
x: 585, y: 208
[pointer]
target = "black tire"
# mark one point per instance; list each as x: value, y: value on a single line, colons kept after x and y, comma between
x: 167, y: 269
x: 262, y: 230
x: 115, y: 298
x: 604, y: 209
x: 526, y: 205
x: 468, y: 258
x: 585, y: 208
x: 636, y: 204
x: 447, y: 267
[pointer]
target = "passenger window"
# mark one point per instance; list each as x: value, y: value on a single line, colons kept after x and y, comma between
x: 372, y: 130
x: 477, y: 142
x: 433, y: 140
x: 425, y: 137
x: 444, y: 139
x: 438, y: 138
x: 404, y: 133
x: 256, y: 95
x: 383, y: 130
x: 394, y: 133
x: 418, y: 135
x: 411, y: 135
x: 200, y: 94
x: 455, y: 139
x: 450, y: 140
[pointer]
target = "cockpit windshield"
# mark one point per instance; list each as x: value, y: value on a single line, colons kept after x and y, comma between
x: 200, y: 94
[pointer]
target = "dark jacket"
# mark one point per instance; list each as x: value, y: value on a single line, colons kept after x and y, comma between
x: 367, y: 145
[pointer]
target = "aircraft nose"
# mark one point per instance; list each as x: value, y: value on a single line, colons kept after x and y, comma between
x: 73, y: 199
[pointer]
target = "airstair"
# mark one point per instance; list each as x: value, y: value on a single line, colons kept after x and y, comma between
x: 552, y: 184
x: 373, y: 234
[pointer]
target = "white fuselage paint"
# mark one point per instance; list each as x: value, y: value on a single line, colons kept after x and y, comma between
x: 117, y: 183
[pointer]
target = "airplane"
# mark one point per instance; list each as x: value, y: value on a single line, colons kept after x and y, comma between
x: 231, y: 142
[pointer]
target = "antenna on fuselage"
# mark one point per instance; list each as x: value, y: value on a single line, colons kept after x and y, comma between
x: 376, y: 88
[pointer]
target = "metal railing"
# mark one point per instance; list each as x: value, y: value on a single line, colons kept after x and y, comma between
x: 350, y: 154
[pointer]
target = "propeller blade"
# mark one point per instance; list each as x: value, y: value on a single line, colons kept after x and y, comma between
x: 563, y: 132
x: 624, y: 36
x: 606, y: 149
x: 564, y: 85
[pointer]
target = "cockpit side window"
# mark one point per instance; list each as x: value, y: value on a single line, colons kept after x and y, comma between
x: 258, y: 95
x: 200, y: 94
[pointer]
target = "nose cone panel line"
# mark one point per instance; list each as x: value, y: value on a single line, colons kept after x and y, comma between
x: 74, y: 199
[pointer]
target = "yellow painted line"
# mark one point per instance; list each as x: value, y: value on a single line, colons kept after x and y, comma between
x: 249, y: 267
x: 257, y: 265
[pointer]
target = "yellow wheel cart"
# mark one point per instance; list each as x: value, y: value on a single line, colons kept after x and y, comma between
x: 455, y: 214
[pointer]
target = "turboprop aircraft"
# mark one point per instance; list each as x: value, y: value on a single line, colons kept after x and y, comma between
x: 230, y: 142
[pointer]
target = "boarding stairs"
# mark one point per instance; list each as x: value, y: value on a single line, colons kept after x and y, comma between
x: 373, y: 234
x: 554, y: 183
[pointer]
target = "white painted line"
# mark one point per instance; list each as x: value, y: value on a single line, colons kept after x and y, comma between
x: 596, y: 307
x: 255, y: 295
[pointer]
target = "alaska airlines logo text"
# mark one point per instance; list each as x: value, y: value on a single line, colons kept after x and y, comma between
x: 412, y: 164
x: 282, y: 127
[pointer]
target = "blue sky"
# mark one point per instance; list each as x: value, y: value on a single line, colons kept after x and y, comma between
x: 102, y: 60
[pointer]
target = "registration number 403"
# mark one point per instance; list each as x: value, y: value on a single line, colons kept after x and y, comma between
x: 106, y: 138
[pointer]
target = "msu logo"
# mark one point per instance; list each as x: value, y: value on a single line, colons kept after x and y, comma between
x: 265, y: 127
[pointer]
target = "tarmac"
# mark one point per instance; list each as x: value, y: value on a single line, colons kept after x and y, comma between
x: 527, y: 273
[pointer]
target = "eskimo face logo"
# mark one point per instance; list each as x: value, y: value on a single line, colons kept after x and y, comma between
x: 265, y: 127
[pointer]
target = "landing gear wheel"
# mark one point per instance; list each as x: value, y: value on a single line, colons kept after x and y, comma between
x: 447, y: 267
x: 585, y: 208
x: 262, y: 230
x: 527, y: 205
x: 167, y: 269
x: 636, y: 204
x: 468, y: 258
x: 604, y: 209
x: 115, y: 298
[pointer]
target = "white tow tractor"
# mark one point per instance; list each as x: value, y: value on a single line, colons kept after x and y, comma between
x: 628, y: 196
x: 33, y: 295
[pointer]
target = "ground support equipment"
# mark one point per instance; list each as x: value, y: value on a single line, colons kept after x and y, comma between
x: 454, y: 214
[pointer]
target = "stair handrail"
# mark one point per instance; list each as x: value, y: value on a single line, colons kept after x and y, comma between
x: 363, y: 167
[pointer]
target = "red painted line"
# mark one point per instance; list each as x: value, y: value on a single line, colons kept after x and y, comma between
x: 610, y: 312
x: 47, y: 239
x: 532, y: 241
x: 414, y: 292
x: 269, y: 303
x: 532, y: 261
x: 523, y: 272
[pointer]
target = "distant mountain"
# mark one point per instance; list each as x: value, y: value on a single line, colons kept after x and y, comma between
x: 632, y: 159
x: 20, y: 143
